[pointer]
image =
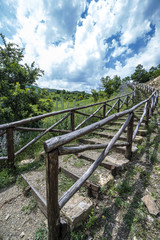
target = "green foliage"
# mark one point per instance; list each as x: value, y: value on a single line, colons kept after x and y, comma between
x: 6, y: 178
x: 17, y: 96
x: 31, y: 206
x: 21, y: 183
x: 140, y: 75
x: 154, y: 72
x: 41, y: 233
x: 92, y: 219
x: 111, y: 85
x: 77, y: 235
x: 95, y: 95
x: 124, y: 188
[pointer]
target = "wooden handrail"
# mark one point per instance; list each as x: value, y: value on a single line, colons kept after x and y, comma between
x: 58, y: 141
x: 36, y: 118
x: 76, y: 186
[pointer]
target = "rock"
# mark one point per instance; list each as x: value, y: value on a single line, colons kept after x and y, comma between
x: 150, y: 204
x: 77, y: 209
x: 22, y: 234
x: 89, y: 238
x: 7, y: 217
x: 46, y: 222
x: 134, y: 238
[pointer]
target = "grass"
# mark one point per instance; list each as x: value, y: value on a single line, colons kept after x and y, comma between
x: 78, y: 163
x: 7, y: 177
x: 64, y: 183
x: 30, y: 207
x: 92, y: 219
x: 41, y: 233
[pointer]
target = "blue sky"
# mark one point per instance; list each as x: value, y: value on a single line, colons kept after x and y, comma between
x: 77, y: 43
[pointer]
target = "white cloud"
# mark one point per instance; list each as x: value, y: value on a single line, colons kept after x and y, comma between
x: 74, y: 56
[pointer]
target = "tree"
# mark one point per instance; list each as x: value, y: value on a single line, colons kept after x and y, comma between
x: 126, y: 79
x: 111, y: 85
x: 140, y: 75
x: 94, y: 95
x: 154, y: 72
x: 17, y: 96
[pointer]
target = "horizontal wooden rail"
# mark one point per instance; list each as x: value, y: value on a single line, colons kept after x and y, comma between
x: 82, y: 148
x: 140, y: 121
x: 58, y: 141
x: 76, y: 186
x: 41, y: 135
x: 112, y: 108
x: 36, y: 118
x: 2, y: 133
x: 93, y: 114
x: 27, y: 129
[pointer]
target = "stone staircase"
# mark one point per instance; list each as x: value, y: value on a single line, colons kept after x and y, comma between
x: 73, y: 166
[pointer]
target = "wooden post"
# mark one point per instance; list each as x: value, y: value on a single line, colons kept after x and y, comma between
x: 118, y: 105
x: 133, y: 97
x: 147, y: 114
x: 10, y: 147
x: 127, y: 102
x: 128, y: 152
x: 52, y: 195
x: 72, y: 121
x: 104, y: 110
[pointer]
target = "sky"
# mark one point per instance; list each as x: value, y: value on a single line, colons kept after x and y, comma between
x: 77, y: 42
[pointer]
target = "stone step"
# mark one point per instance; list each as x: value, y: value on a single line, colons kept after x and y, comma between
x: 77, y: 166
x: 112, y: 163
x: 104, y: 134
x: 103, y: 140
x: 77, y: 209
x: 108, y: 135
x: 141, y: 132
x: 119, y: 123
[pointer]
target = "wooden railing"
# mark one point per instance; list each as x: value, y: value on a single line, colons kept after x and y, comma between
x: 55, y: 146
x: 10, y: 128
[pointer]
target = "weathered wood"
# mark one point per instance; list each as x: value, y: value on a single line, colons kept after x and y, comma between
x: 107, y: 165
x: 41, y: 135
x: 36, y: 118
x: 52, y: 195
x: 2, y: 133
x: 40, y: 200
x: 27, y: 129
x: 75, y: 177
x: 123, y: 102
x: 127, y: 101
x: 112, y: 108
x: 58, y: 141
x: 82, y: 148
x: 128, y: 152
x: 104, y: 110
x: 136, y: 117
x: 72, y: 121
x: 75, y: 187
x: 118, y: 104
x: 140, y: 121
x: 92, y: 115
x: 3, y: 158
x: 86, y: 114
x: 147, y: 114
x: 107, y: 104
x: 10, y: 147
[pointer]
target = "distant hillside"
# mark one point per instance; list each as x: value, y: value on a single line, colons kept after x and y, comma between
x: 57, y: 90
x: 155, y: 83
